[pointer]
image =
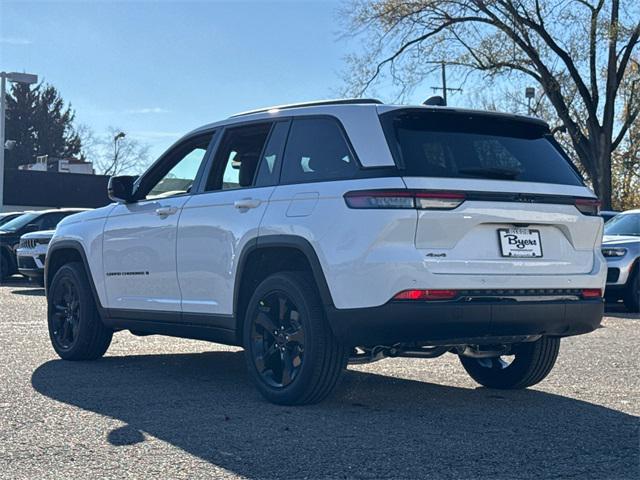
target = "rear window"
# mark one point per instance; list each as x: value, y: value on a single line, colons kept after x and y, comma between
x: 454, y: 145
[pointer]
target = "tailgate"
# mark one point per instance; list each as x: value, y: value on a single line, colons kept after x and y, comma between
x: 550, y: 238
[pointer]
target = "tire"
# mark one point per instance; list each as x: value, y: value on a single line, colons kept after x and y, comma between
x: 75, y: 328
x: 532, y: 363
x: 632, y: 296
x: 4, y: 267
x: 285, y: 324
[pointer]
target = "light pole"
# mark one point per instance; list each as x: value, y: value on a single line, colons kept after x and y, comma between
x: 14, y: 77
x: 117, y: 137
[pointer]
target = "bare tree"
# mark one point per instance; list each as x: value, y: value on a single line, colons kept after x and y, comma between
x: 89, y: 142
x: 116, y: 153
x: 578, y: 51
x: 626, y: 165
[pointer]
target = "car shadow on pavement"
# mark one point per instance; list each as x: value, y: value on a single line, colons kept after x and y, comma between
x: 31, y: 292
x: 15, y: 281
x: 373, y: 426
x: 618, y: 310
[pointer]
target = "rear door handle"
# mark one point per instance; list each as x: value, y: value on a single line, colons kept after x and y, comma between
x: 247, y: 203
x: 166, y: 211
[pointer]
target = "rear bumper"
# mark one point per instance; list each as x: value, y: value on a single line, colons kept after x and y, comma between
x: 463, y: 322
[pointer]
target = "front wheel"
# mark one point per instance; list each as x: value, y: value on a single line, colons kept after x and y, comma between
x: 290, y: 350
x: 529, y: 363
x: 75, y: 327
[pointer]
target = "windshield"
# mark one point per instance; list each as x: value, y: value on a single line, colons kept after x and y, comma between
x: 457, y: 145
x: 7, y: 218
x: 19, y: 222
x: 626, y: 224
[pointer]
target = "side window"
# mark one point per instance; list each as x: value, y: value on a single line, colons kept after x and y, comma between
x: 183, y: 166
x: 47, y: 222
x: 317, y: 150
x: 237, y: 157
x: 269, y: 165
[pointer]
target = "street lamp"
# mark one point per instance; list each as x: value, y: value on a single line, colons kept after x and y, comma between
x: 119, y: 136
x: 14, y: 77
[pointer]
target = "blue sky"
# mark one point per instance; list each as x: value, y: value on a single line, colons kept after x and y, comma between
x: 158, y: 69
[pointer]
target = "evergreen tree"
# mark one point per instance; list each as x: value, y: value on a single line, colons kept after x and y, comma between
x: 40, y: 123
x: 20, y: 126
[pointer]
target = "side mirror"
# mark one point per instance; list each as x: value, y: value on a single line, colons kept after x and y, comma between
x: 32, y: 227
x: 120, y: 188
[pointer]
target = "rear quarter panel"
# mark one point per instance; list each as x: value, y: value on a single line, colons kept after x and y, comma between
x: 356, y: 248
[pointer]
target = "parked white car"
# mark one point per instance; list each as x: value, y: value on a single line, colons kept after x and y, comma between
x: 317, y: 234
x: 31, y: 254
x: 621, y: 248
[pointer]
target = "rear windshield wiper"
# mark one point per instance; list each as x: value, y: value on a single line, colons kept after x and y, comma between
x: 491, y: 172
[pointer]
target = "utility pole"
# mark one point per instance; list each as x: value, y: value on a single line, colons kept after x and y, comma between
x: 14, y: 77
x: 444, y: 87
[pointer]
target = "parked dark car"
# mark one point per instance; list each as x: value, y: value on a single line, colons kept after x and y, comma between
x: 11, y: 232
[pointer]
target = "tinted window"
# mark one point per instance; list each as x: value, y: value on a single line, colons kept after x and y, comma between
x: 428, y: 144
x: 51, y: 220
x: 317, y: 150
x: 237, y: 157
x: 627, y: 224
x: 269, y: 167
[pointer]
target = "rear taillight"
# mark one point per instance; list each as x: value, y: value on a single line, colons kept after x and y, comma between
x: 439, y: 200
x: 404, y: 199
x: 588, y: 206
x: 591, y: 293
x: 426, y: 295
x: 380, y: 199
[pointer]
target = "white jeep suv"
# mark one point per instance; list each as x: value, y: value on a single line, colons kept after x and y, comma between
x: 317, y: 234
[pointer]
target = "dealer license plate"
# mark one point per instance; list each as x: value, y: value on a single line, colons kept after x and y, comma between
x: 520, y: 243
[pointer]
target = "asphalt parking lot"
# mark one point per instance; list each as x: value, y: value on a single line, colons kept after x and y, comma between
x: 157, y: 407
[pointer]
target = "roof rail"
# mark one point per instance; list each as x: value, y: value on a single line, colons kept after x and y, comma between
x: 343, y: 101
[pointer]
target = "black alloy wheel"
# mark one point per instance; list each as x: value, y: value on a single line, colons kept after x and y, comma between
x: 291, y: 352
x: 75, y: 327
x: 277, y: 340
x: 66, y: 314
x: 527, y: 364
